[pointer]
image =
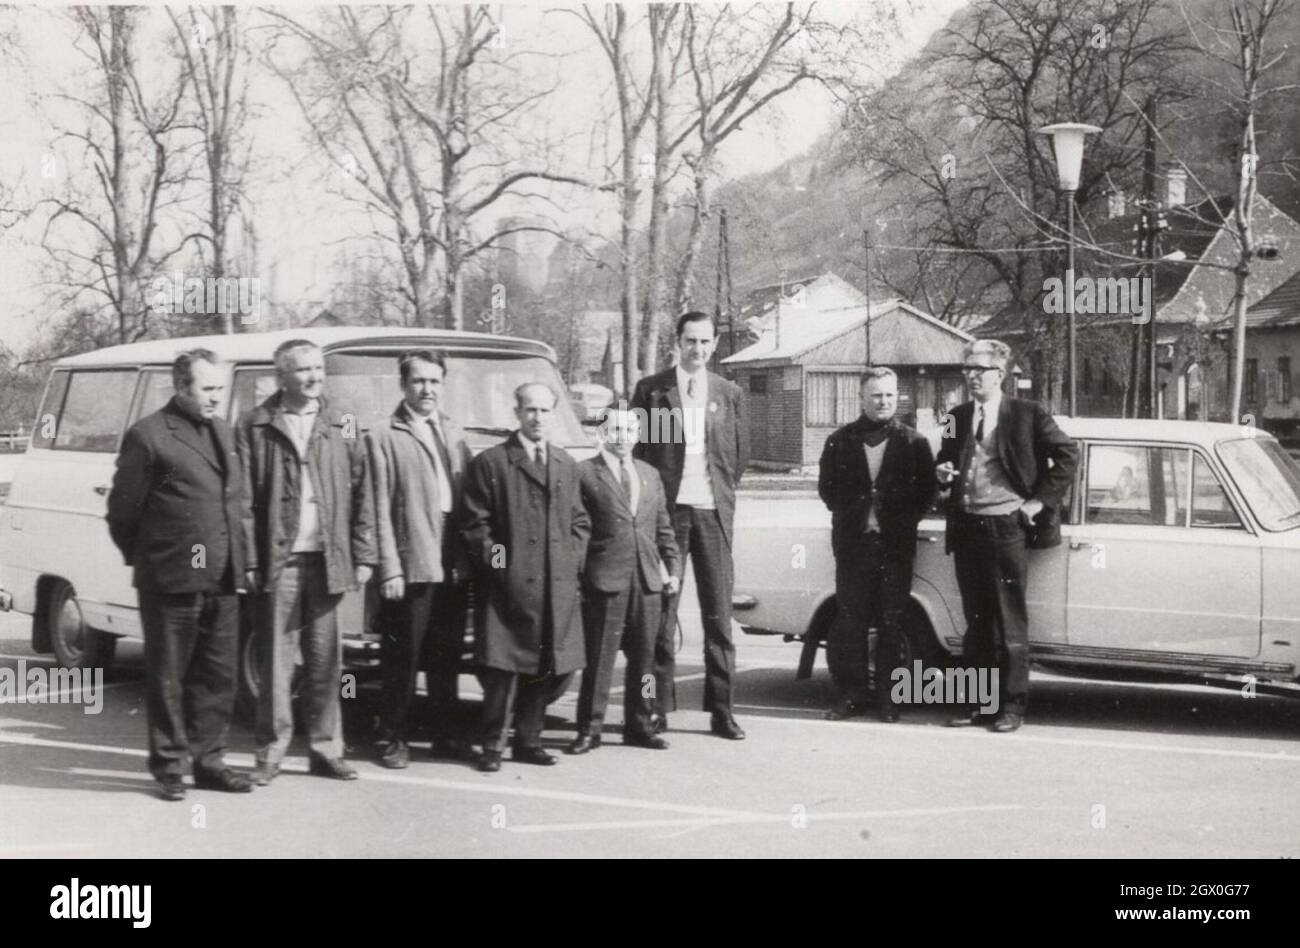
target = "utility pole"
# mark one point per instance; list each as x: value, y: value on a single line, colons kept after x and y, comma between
x: 724, y: 267
x: 866, y: 279
x: 1146, y: 334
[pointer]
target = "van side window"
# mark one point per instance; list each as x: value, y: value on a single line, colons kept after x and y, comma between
x: 47, y: 419
x: 94, y: 411
x: 156, y: 390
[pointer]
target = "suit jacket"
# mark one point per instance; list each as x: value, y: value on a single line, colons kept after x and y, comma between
x: 901, y: 493
x: 663, y: 446
x: 171, y: 493
x: 1038, y: 457
x: 626, y: 545
x: 337, y: 465
x: 527, y: 541
x: 408, y: 519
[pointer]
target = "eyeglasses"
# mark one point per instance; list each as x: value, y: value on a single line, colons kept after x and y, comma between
x: 980, y: 369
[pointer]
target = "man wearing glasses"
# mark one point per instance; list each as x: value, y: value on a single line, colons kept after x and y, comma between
x: 1007, y: 465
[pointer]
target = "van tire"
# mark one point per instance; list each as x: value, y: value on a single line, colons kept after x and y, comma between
x: 75, y: 644
x: 248, y: 676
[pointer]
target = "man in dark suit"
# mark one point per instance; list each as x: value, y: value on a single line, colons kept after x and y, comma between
x: 418, y: 462
x: 698, y: 440
x: 174, y: 511
x: 631, y: 563
x: 876, y: 478
x: 526, y: 530
x: 1007, y: 465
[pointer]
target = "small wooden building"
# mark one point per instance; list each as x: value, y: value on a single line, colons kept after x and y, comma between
x: 802, y: 377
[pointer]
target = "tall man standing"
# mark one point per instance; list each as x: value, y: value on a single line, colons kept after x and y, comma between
x: 418, y: 462
x: 700, y: 456
x: 1007, y: 466
x: 875, y: 477
x: 527, y: 531
x: 174, y: 511
x: 311, y: 538
x: 631, y: 564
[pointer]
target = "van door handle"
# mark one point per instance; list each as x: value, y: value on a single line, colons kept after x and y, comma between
x: 929, y: 538
x: 102, y: 490
x: 1079, y: 544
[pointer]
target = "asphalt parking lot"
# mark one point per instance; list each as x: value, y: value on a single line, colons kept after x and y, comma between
x: 1101, y: 769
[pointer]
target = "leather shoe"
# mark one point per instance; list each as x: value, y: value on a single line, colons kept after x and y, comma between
x: 396, y: 755
x: 225, y: 780
x: 1008, y: 722
x: 973, y: 719
x: 648, y: 741
x: 658, y: 723
x: 842, y: 710
x: 264, y: 773
x: 450, y: 747
x: 171, y: 788
x: 583, y: 743
x: 489, y: 762
x: 335, y: 767
x: 532, y: 755
x: 728, y: 728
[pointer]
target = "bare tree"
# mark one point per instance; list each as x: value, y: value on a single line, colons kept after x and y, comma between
x: 215, y: 54
x: 127, y: 137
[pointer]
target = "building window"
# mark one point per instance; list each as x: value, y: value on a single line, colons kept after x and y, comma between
x: 832, y: 398
x: 1251, y: 381
x: 758, y: 384
x: 1284, y: 379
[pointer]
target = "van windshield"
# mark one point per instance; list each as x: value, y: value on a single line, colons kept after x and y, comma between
x: 478, y: 392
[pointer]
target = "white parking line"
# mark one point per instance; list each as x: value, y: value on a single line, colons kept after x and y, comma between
x: 757, y: 818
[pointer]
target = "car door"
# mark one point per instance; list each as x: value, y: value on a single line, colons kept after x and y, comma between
x: 1162, y: 560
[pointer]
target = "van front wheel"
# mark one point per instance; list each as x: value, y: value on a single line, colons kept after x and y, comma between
x: 75, y: 644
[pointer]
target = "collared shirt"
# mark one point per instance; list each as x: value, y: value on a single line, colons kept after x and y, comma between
x: 300, y: 424
x: 634, y: 480
x: 875, y: 458
x: 536, y: 449
x: 695, y: 490
x: 988, y: 491
x: 423, y: 427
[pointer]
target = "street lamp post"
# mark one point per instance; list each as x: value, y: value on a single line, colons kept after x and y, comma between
x: 1067, y: 142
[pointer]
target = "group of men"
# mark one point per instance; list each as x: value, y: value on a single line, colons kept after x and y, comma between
x: 571, y: 561
x: 296, y: 505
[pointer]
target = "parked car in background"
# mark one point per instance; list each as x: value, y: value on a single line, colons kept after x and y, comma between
x: 57, y: 563
x: 1179, y: 558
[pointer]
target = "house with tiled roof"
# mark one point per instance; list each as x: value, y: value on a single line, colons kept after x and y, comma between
x: 1272, y: 357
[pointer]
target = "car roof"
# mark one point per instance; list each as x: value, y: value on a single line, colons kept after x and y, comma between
x: 259, y: 346
x: 1156, y: 429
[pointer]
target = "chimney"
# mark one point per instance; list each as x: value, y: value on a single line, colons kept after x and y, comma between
x: 1175, y: 185
x: 1115, y: 204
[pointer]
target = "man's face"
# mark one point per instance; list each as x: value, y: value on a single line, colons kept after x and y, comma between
x: 534, y: 409
x: 983, y: 377
x: 423, y: 387
x: 880, y: 398
x: 695, y: 344
x: 206, y: 390
x: 303, y: 375
x: 619, y: 433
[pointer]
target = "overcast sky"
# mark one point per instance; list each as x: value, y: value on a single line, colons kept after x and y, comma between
x: 302, y: 230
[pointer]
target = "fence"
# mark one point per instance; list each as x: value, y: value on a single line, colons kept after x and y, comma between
x: 13, y: 443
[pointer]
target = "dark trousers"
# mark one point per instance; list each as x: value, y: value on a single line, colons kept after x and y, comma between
x: 191, y: 643
x: 992, y: 571
x: 872, y: 589
x: 631, y: 617
x: 523, y: 696
x: 700, y: 539
x: 422, y: 631
x: 300, y: 617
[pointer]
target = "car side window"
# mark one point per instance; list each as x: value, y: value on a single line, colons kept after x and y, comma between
x: 94, y: 410
x: 1210, y: 504
x: 47, y: 419
x: 156, y: 390
x: 1119, y: 485
x: 252, y: 386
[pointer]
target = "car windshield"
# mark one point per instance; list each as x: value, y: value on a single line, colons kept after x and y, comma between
x: 1269, y: 479
x: 478, y: 393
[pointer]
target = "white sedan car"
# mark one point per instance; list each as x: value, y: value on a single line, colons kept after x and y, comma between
x: 1180, y: 557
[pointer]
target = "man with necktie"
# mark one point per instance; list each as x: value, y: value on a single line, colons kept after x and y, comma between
x: 1006, y: 465
x: 700, y: 456
x: 526, y: 531
x: 418, y: 462
x: 631, y: 564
